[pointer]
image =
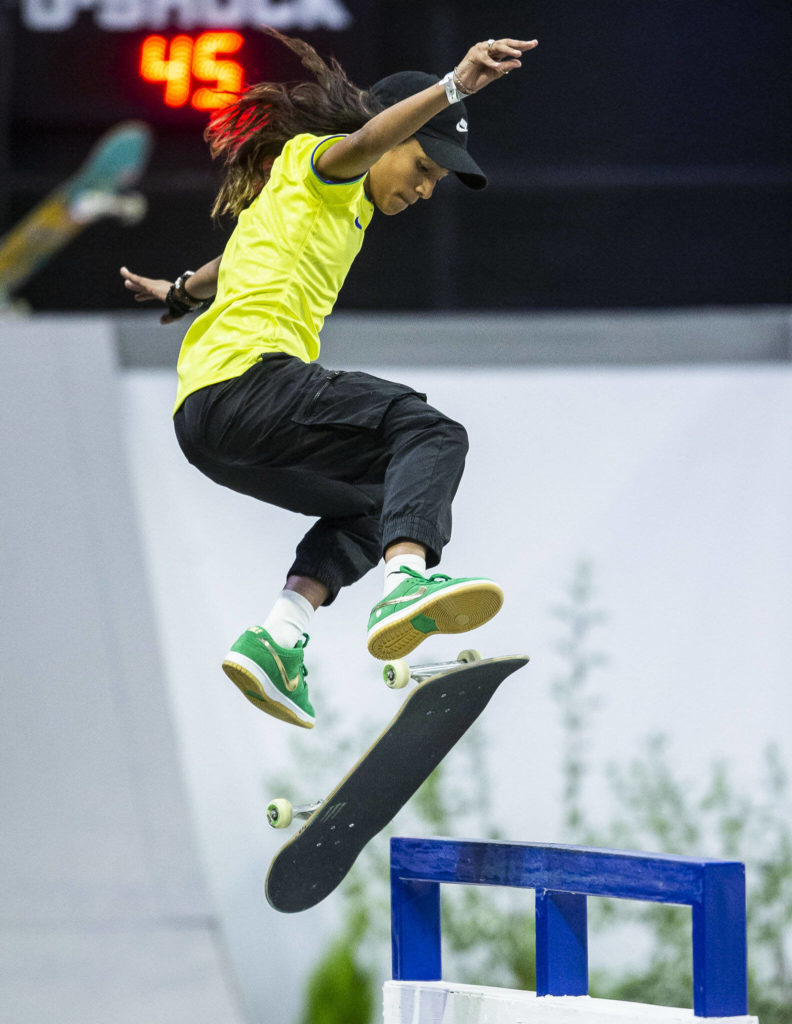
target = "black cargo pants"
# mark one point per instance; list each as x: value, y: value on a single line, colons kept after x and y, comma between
x: 369, y: 457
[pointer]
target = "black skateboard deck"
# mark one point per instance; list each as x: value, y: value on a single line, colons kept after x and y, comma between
x: 428, y: 725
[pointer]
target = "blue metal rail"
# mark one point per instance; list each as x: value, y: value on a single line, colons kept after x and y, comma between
x: 563, y: 877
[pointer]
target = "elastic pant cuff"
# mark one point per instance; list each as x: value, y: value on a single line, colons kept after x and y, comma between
x: 322, y: 575
x: 420, y: 531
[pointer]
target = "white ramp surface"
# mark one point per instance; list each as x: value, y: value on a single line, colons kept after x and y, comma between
x: 422, y: 1002
x: 104, y: 917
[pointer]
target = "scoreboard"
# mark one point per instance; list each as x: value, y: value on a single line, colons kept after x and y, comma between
x: 195, y: 70
x: 95, y: 62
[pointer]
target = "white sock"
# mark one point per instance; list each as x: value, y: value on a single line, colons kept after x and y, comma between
x: 289, y: 619
x: 393, y: 574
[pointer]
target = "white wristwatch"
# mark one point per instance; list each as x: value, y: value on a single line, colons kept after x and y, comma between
x: 452, y: 87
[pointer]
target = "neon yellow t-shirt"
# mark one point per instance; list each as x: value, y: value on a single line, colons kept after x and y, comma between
x: 281, y: 271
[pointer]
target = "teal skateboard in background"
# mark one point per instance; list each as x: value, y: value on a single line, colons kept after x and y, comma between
x: 432, y: 719
x: 98, y: 189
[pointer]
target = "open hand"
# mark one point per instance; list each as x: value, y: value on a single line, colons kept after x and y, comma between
x: 147, y: 289
x: 486, y: 62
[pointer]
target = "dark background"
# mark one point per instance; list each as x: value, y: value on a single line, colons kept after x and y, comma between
x: 641, y: 158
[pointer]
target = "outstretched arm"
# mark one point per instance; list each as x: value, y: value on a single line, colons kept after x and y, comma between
x: 200, y: 286
x: 354, y: 155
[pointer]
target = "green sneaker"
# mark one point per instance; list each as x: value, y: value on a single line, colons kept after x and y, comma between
x: 420, y: 606
x: 270, y: 676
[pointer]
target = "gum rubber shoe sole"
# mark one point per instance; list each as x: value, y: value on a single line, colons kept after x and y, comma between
x: 457, y: 609
x: 249, y: 685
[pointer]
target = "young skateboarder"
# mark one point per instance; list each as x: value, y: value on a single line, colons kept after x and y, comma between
x: 307, y: 165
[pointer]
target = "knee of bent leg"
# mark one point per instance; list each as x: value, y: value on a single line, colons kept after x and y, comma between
x: 457, y: 436
x: 430, y: 426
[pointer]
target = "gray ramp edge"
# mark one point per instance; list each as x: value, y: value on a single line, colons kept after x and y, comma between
x: 654, y: 337
x: 104, y: 915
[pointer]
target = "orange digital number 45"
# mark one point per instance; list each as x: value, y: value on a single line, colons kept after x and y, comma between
x: 182, y: 61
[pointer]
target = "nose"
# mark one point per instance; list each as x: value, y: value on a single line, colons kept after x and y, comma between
x: 425, y: 189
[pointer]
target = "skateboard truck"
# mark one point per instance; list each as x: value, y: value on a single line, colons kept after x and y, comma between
x: 129, y: 208
x: 281, y: 812
x: 398, y: 673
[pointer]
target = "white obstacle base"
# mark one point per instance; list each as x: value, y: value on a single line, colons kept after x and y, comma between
x: 442, y: 1002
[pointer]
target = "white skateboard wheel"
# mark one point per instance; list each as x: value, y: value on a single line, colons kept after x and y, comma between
x: 468, y: 656
x: 279, y: 813
x: 396, y: 674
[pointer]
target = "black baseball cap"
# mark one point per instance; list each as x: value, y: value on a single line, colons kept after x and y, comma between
x: 445, y: 137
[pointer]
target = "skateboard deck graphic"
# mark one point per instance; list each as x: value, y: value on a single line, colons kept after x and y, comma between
x: 96, y: 190
x: 428, y: 725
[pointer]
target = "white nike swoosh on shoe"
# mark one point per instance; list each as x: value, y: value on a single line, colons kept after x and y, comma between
x: 290, y: 684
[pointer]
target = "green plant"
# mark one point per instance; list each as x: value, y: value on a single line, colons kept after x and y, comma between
x: 340, y: 987
x: 572, y: 690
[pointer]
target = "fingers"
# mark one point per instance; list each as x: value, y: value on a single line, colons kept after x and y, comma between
x: 144, y: 289
x: 140, y: 293
x: 519, y: 44
x: 503, y: 67
x: 503, y: 55
x: 134, y: 280
x: 495, y: 58
x: 131, y: 281
x: 501, y: 49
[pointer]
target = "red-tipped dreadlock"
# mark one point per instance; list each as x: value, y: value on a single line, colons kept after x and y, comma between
x: 250, y: 133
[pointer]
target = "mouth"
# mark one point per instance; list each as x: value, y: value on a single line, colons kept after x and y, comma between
x: 407, y: 202
x: 394, y: 203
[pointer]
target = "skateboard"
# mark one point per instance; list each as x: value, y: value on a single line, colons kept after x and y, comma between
x: 432, y: 719
x: 96, y: 190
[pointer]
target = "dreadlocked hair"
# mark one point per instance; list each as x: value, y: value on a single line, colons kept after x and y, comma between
x: 250, y: 133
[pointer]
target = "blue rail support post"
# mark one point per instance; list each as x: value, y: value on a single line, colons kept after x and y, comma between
x: 561, y: 943
x: 563, y: 877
